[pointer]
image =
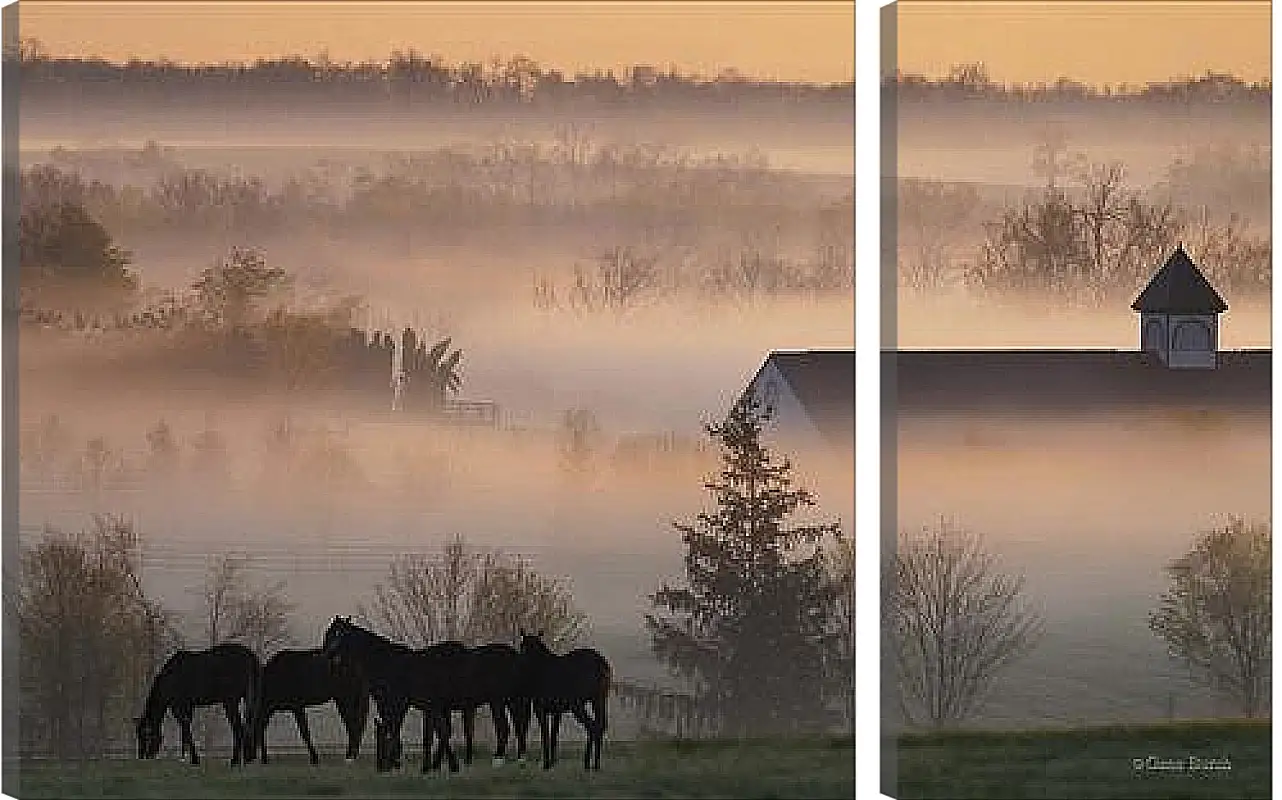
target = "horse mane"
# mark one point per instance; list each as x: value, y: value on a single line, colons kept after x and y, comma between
x: 372, y: 637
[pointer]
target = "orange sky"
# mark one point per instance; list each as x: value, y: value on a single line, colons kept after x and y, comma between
x: 794, y: 41
x: 1095, y: 42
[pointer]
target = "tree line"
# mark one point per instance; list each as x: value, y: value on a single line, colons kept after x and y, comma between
x: 51, y: 452
x: 69, y: 260
x: 410, y: 77
x: 971, y: 81
x: 450, y: 191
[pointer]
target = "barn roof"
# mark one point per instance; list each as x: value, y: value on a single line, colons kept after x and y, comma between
x: 823, y: 381
x: 1179, y: 287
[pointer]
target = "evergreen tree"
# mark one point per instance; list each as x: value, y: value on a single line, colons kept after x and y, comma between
x: 756, y: 627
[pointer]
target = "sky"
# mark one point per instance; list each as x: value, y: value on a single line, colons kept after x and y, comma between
x: 1094, y: 42
x: 811, y: 41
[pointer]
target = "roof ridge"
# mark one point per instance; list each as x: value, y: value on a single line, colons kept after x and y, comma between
x: 1179, y: 287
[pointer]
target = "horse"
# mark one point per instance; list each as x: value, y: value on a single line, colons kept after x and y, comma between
x: 495, y: 679
x: 560, y: 683
x: 225, y: 673
x: 296, y: 679
x: 401, y: 678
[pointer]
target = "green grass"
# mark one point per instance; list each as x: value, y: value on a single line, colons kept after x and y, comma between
x: 1086, y: 763
x: 818, y: 768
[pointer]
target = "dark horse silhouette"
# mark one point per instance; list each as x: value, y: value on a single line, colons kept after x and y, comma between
x: 495, y: 679
x: 401, y: 678
x: 296, y: 679
x: 225, y: 673
x: 560, y: 683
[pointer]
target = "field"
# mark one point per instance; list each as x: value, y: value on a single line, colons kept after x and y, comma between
x: 1088, y: 763
x: 821, y: 768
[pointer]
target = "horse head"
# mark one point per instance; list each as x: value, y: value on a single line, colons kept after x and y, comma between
x: 338, y: 630
x: 148, y: 733
x: 532, y: 644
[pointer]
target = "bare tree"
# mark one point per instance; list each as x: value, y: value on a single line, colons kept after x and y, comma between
x: 42, y: 446
x: 89, y: 638
x: 955, y: 621
x: 471, y: 596
x: 621, y: 279
x: 1216, y: 618
x: 1232, y: 259
x: 930, y: 213
x: 580, y: 439
x: 1052, y: 158
x: 1124, y: 236
x: 209, y: 451
x: 162, y: 448
x: 1097, y: 239
x: 237, y: 609
x: 99, y: 463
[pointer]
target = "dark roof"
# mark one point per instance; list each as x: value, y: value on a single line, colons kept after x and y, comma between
x: 1055, y: 383
x: 823, y: 381
x: 1179, y: 287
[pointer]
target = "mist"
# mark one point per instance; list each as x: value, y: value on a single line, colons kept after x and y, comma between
x: 361, y: 485
x: 1200, y: 166
x: 957, y: 320
x: 1090, y: 509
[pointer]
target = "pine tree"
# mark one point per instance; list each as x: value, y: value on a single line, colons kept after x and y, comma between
x: 755, y: 628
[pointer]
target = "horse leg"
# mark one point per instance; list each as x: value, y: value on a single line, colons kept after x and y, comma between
x: 580, y: 712
x: 599, y: 717
x: 260, y: 733
x: 393, y: 718
x: 545, y: 737
x: 498, y: 713
x: 444, y: 735
x: 469, y: 728
x: 429, y: 731
x: 355, y: 717
x: 184, y: 725
x: 232, y: 709
x: 556, y: 733
x: 441, y: 721
x: 520, y: 710
x: 305, y: 731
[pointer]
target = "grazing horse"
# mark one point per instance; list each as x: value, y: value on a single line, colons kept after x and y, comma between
x: 296, y: 679
x: 225, y: 673
x: 401, y: 678
x: 560, y: 683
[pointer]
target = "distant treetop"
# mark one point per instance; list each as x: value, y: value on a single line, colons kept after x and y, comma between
x: 973, y: 81
x: 408, y: 72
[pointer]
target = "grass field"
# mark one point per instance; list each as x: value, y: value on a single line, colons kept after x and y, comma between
x: 821, y: 768
x: 1089, y: 763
